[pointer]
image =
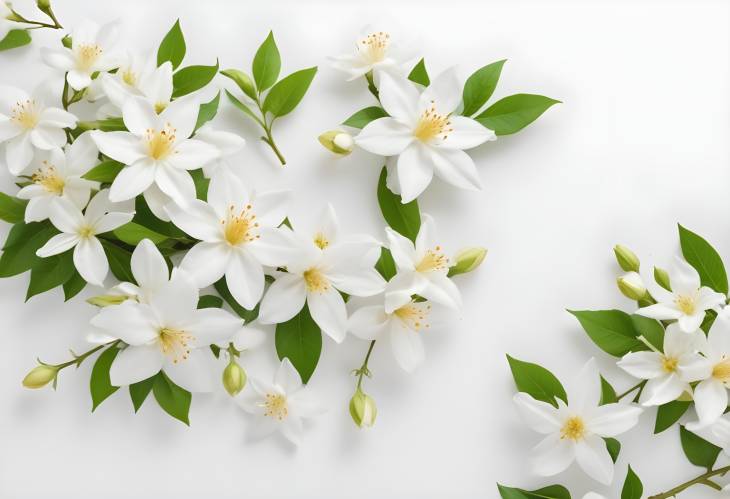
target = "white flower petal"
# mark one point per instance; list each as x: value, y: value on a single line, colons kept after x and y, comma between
x: 46, y: 138
x: 177, y: 301
x: 642, y: 365
x: 131, y: 322
x: 90, y: 260
x: 385, y: 136
x: 65, y: 216
x: 54, y: 117
x: 132, y: 180
x: 139, y: 116
x: 442, y: 290
x: 197, y: 219
x: 415, y: 171
x: 399, y: 289
x: 683, y: 277
x: 593, y: 458
x: 660, y: 311
x: 402, y: 249
x: 178, y: 184
x: 287, y: 377
x: 455, y: 167
x: 78, y: 80
x: 663, y: 389
x: 58, y: 244
x: 368, y: 323
x: 399, y: 97
x: 538, y: 415
x: 552, y: 455
x: 444, y: 91
x: 691, y: 323
x: 136, y: 363
x: 407, y: 346
x: 18, y: 153
x: 213, y: 325
x: 59, y: 58
x: 111, y: 221
x: 613, y: 419
x: 710, y: 397
x: 191, y: 154
x: 206, y: 262
x: 195, y: 374
x: 182, y: 114
x: 329, y: 312
x: 271, y: 206
x: 283, y: 300
x: 466, y: 133
x: 276, y: 247
x: 584, y: 390
x: 148, y: 266
x: 245, y: 278
x: 361, y: 281
x: 157, y: 201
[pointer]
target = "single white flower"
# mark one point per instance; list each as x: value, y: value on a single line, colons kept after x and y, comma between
x: 27, y: 125
x: 58, y: 174
x: 280, y: 405
x: 79, y: 231
x: 425, y: 135
x: 688, y: 300
x: 669, y: 373
x: 575, y: 432
x: 157, y: 150
x: 423, y: 269
x: 92, y: 50
x: 228, y: 144
x: 324, y: 265
x: 374, y: 51
x: 169, y: 333
x: 139, y: 76
x: 239, y: 235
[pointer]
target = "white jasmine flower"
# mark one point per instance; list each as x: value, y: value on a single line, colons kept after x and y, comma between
x: 168, y: 333
x: 374, y: 51
x: 425, y: 134
x: 27, y: 125
x: 324, y: 265
x: 139, y: 76
x: 79, y: 231
x: 422, y: 269
x: 58, y: 174
x: 280, y: 405
x: 239, y: 235
x: 157, y: 150
x: 575, y: 432
x: 92, y: 51
x: 669, y: 373
x: 688, y: 300
x: 228, y: 144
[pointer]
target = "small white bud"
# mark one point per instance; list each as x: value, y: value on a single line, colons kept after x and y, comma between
x: 632, y: 286
x: 338, y: 142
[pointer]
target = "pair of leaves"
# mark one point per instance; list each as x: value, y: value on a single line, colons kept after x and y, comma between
x: 188, y: 79
x: 402, y: 218
x: 617, y: 332
x: 300, y: 340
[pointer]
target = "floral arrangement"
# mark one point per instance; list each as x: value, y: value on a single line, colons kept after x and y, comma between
x: 675, y: 342
x: 122, y: 172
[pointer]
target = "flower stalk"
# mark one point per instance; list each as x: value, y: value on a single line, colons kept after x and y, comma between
x: 703, y: 479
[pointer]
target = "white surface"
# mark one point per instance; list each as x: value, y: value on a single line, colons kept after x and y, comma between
x: 640, y: 144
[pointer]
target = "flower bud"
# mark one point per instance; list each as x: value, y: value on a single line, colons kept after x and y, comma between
x: 363, y: 409
x: 632, y: 286
x: 626, y: 258
x: 43, y: 5
x: 107, y: 300
x: 244, y: 81
x: 467, y: 260
x: 40, y: 376
x: 67, y: 41
x: 337, y: 141
x: 234, y: 378
x: 662, y: 278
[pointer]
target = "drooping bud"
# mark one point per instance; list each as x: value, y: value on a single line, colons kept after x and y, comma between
x: 234, y: 378
x: 107, y: 300
x: 662, y: 278
x: 40, y: 376
x: 632, y: 286
x: 337, y: 141
x: 626, y: 258
x: 244, y: 81
x: 467, y: 260
x: 363, y: 409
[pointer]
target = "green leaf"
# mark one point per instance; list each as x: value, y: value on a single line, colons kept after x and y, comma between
x: 144, y: 216
x: 365, y: 116
x: 513, y: 113
x: 192, y: 78
x: 139, y: 391
x: 119, y: 261
x: 300, y: 340
x: 608, y: 394
x: 210, y: 301
x: 699, y: 451
x: 708, y: 321
x: 705, y: 259
x: 402, y: 218
x: 12, y: 209
x: 104, y: 172
x: 244, y: 81
x: 172, y: 47
x: 611, y: 330
x: 49, y: 273
x: 243, y: 313
x: 287, y: 93
x: 20, y: 247
x: 201, y: 183
x: 613, y: 447
x: 73, y: 286
x: 174, y: 400
x: 207, y: 111
x: 480, y: 86
x: 243, y: 107
x: 536, y: 381
x: 132, y: 233
x: 650, y: 329
x: 266, y: 63
x: 100, y: 384
x: 14, y: 39
x: 669, y: 413
x: 386, y: 264
x: 419, y: 74
x: 550, y: 492
x: 633, y: 488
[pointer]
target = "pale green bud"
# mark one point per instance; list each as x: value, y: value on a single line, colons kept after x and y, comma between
x: 337, y: 141
x: 662, y: 278
x: 244, y: 81
x: 40, y: 376
x: 363, y: 409
x: 234, y: 378
x: 632, y: 286
x: 467, y: 260
x: 107, y: 300
x: 43, y: 5
x: 626, y: 258
x: 67, y: 41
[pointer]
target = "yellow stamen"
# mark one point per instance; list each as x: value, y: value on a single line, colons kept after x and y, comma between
x: 414, y: 315
x: 47, y: 177
x: 86, y: 231
x: 25, y: 114
x: 239, y: 228
x: 432, y: 125
x: 129, y: 77
x: 375, y: 47
x: 159, y: 107
x: 320, y: 241
x: 87, y: 55
x: 573, y: 429
x: 160, y: 143
x: 175, y: 343
x: 316, y: 281
x: 721, y: 370
x: 433, y: 260
x: 669, y: 364
x: 275, y: 406
x: 686, y: 304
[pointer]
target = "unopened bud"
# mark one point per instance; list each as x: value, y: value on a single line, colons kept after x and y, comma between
x: 337, y: 141
x: 363, y: 409
x: 234, y: 378
x: 662, y: 278
x: 632, y: 286
x: 40, y: 376
x: 467, y: 260
x: 107, y: 300
x: 43, y: 5
x: 244, y: 81
x: 626, y: 258
x: 67, y: 41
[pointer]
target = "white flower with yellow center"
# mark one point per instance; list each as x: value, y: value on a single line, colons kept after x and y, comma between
x: 280, y: 405
x: 688, y: 300
x: 168, y: 333
x: 423, y: 269
x: 58, y: 174
x: 575, y: 432
x: 669, y: 373
x: 157, y: 150
x: 425, y: 135
x: 79, y: 231
x: 141, y: 77
x: 92, y: 50
x: 325, y: 264
x: 239, y: 236
x: 375, y: 51
x: 28, y: 124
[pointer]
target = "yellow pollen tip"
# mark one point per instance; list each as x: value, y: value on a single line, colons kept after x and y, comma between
x: 374, y: 47
x: 320, y: 241
x: 316, y: 280
x: 275, y: 406
x: 686, y: 304
x: 573, y: 429
x: 239, y: 228
x: 129, y: 77
x: 25, y: 114
x: 414, y: 315
x: 432, y: 125
x: 433, y: 260
x: 160, y: 142
x: 47, y: 177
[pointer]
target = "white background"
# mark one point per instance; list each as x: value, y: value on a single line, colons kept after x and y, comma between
x: 639, y: 144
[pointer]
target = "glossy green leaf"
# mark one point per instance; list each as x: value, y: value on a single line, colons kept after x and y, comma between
x: 669, y: 413
x: 132, y: 233
x: 699, y: 451
x: 365, y: 116
x: 608, y: 394
x: 287, y: 93
x: 172, y: 47
x: 419, y: 74
x: 402, y: 218
x: 266, y: 63
x: 210, y: 301
x: 100, y: 384
x: 50, y: 272
x: 633, y: 488
x: 537, y: 381
x: 174, y: 400
x: 144, y: 216
x: 104, y: 172
x: 139, y: 391
x: 611, y: 330
x: 243, y: 313
x: 201, y: 183
x: 613, y: 447
x: 207, y: 111
x: 513, y: 113
x: 550, y: 492
x: 650, y: 329
x: 385, y: 264
x: 12, y: 209
x: 73, y: 286
x: 300, y: 340
x: 20, y: 247
x: 119, y: 261
x: 192, y: 78
x: 705, y: 259
x: 480, y: 86
x: 14, y: 39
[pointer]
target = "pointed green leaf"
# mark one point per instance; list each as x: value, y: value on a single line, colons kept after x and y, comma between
x: 174, y: 400
x: 50, y: 272
x: 100, y: 384
x: 119, y: 261
x: 536, y: 381
x: 172, y: 47
x: 139, y: 391
x: 210, y: 301
x: 669, y: 413
x: 300, y: 340
x: 513, y: 113
x: 243, y: 107
x: 386, y: 264
x: 207, y: 111
x: 192, y: 78
x: 104, y: 172
x: 287, y: 93
x: 611, y: 330
x: 699, y: 451
x: 73, y: 286
x: 480, y: 86
x: 419, y: 74
x: 633, y: 488
x: 608, y: 394
x: 705, y: 259
x: 12, y: 209
x: 402, y: 218
x: 132, y: 233
x: 14, y: 39
x: 613, y: 447
x: 365, y: 116
x: 650, y: 329
x: 20, y: 247
x: 550, y: 492
x: 266, y: 63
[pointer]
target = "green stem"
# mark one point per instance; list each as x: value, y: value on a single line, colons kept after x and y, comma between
x: 371, y: 85
x: 269, y: 138
x: 78, y: 359
x: 363, y: 370
x: 638, y: 385
x: 37, y: 24
x: 703, y: 479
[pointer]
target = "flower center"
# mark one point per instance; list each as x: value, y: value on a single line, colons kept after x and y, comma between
x: 160, y: 142
x: 86, y: 231
x: 574, y: 429
x: 175, y: 343
x: 159, y: 107
x: 25, y: 114
x: 721, y: 370
x: 275, y: 406
x: 669, y: 364
x: 320, y: 241
x: 414, y: 315
x: 238, y: 228
x: 47, y: 177
x: 433, y: 260
x: 375, y: 46
x: 129, y: 77
x: 432, y: 125
x: 87, y: 55
x: 316, y: 281
x: 686, y: 304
